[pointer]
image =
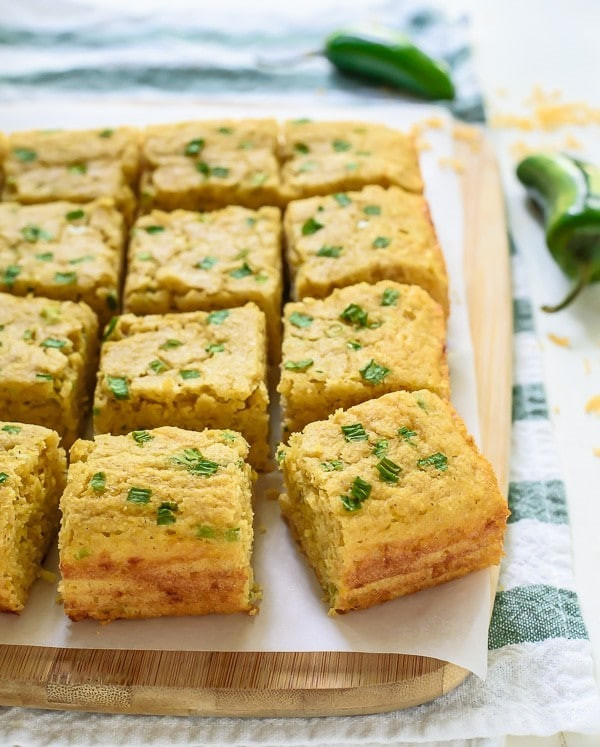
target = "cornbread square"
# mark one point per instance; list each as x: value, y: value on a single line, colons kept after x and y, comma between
x: 157, y: 523
x: 189, y: 261
x: 195, y: 370
x: 208, y: 164
x: 360, y: 342
x: 375, y: 234
x: 48, y: 354
x: 73, y: 165
x: 390, y: 497
x: 324, y: 157
x: 63, y: 250
x: 32, y: 477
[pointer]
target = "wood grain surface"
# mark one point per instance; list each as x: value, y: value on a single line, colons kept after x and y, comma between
x: 303, y: 684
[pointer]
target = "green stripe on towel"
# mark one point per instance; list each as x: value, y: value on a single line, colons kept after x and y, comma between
x: 522, y: 315
x: 544, y: 500
x: 527, y: 614
x: 529, y: 402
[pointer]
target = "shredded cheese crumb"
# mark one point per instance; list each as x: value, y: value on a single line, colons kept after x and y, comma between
x: 468, y: 134
x: 563, y: 342
x: 549, y: 112
x: 593, y: 405
x: 453, y: 163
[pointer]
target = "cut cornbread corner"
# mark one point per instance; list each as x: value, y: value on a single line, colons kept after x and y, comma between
x: 208, y: 164
x: 194, y: 370
x: 157, y: 523
x: 360, y: 342
x: 324, y: 157
x: 48, y: 354
x: 63, y: 250
x: 390, y: 497
x: 73, y: 165
x: 375, y: 234
x: 186, y: 261
x: 32, y: 477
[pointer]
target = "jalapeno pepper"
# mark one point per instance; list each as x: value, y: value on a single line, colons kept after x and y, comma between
x: 568, y: 192
x: 390, y: 58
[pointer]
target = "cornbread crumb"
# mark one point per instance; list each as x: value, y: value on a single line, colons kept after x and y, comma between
x: 194, y: 370
x: 421, y: 144
x: 48, y: 576
x: 587, y: 366
x: 358, y: 343
x: 548, y: 113
x: 453, y: 163
x: 32, y: 478
x: 157, y: 523
x: 468, y: 134
x: 597, y: 452
x: 391, y: 497
x: 593, y: 405
x: 48, y: 353
x: 563, y: 342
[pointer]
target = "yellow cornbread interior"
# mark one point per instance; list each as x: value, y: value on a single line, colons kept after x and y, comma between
x: 185, y: 261
x: 367, y: 236
x: 440, y: 518
x: 396, y: 327
x: 324, y: 157
x: 192, y: 370
x: 48, y: 354
x: 63, y: 250
x: 207, y: 164
x: 157, y: 523
x: 32, y: 477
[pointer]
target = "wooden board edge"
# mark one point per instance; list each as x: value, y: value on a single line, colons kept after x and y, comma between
x: 48, y: 683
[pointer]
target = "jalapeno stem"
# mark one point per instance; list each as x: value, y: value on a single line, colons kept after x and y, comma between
x: 582, y: 281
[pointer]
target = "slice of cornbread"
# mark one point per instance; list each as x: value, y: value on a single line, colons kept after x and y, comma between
x: 375, y: 234
x: 360, y: 342
x: 32, y: 477
x: 48, y: 354
x: 63, y: 250
x: 195, y: 370
x: 189, y: 261
x: 74, y: 165
x: 390, y: 497
x: 209, y: 164
x: 157, y: 523
x: 324, y: 157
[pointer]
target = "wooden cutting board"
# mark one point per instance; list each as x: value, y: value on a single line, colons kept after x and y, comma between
x: 304, y: 684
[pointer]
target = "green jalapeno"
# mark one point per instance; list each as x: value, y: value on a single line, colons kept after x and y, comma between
x: 568, y: 192
x: 390, y: 58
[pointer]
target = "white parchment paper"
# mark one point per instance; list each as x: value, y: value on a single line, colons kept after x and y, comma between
x: 449, y: 622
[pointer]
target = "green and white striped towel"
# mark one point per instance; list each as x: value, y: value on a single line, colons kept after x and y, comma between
x: 540, y: 679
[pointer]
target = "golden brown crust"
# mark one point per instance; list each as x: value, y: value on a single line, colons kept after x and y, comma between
x: 441, y: 516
